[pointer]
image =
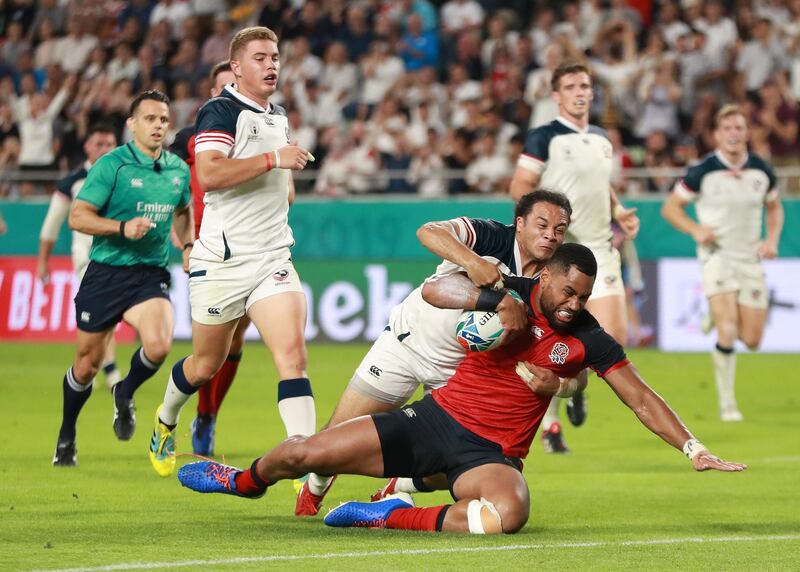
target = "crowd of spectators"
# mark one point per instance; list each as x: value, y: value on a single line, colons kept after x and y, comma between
x: 408, y: 96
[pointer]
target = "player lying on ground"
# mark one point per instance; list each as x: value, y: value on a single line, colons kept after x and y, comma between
x: 478, y: 427
x: 418, y: 346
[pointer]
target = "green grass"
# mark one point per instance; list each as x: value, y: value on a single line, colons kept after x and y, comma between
x: 618, y: 502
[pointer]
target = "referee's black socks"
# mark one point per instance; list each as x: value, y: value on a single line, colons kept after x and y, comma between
x: 75, y: 395
x: 142, y: 369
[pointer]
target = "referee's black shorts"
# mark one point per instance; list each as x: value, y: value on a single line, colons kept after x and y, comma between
x: 422, y: 439
x: 107, y: 292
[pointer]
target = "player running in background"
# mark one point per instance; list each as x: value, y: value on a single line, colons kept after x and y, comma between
x: 574, y: 157
x: 127, y: 203
x: 211, y: 395
x: 418, y: 345
x: 100, y: 140
x: 731, y: 189
x: 478, y: 427
x: 241, y: 263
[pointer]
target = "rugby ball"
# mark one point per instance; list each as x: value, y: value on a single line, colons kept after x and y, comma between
x: 481, y: 331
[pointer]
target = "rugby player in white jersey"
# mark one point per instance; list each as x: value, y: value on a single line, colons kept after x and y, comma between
x: 574, y: 157
x: 241, y: 262
x: 731, y: 188
x: 100, y: 140
x: 418, y: 345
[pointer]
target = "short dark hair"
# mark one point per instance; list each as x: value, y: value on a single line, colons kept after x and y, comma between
x: 527, y: 202
x: 101, y: 128
x: 565, y: 69
x: 218, y: 69
x: 572, y: 254
x: 153, y: 94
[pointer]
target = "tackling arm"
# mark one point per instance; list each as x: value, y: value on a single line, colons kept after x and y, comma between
x: 656, y: 415
x: 441, y: 239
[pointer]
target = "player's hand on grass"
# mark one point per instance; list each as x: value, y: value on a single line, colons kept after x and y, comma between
x: 540, y: 380
x: 513, y: 314
x: 705, y: 461
x: 294, y: 157
x: 704, y: 235
x: 767, y: 250
x: 137, y: 227
x: 484, y: 273
x: 628, y: 221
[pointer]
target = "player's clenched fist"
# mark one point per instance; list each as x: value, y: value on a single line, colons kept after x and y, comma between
x: 294, y: 157
x: 136, y: 228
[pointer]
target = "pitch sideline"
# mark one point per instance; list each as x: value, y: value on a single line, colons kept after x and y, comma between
x: 423, y: 551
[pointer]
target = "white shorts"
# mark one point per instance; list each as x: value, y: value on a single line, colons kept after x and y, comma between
x: 391, y: 373
x: 609, y: 274
x: 223, y: 290
x: 722, y: 275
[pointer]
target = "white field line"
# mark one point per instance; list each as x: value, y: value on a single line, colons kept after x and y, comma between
x: 785, y: 459
x: 427, y: 551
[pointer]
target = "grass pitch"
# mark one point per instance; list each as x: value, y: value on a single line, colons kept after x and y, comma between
x: 622, y: 500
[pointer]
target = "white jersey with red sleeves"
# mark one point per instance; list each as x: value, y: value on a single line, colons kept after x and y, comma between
x: 428, y: 331
x: 730, y: 199
x: 252, y: 217
x: 576, y: 162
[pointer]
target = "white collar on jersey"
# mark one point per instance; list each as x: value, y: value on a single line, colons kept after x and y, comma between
x: 517, y: 258
x: 730, y: 165
x: 572, y: 126
x: 87, y: 165
x: 231, y: 88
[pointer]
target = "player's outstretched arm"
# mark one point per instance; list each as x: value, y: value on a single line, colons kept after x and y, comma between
x: 657, y: 416
x: 215, y: 171
x: 441, y: 238
x: 774, y: 224
x: 57, y: 213
x: 675, y: 214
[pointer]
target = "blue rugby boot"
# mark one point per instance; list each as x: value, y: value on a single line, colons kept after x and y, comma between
x: 367, y: 514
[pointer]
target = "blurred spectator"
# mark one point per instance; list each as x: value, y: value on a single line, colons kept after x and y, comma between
x: 356, y: 34
x: 398, y: 161
x: 303, y: 133
x: 461, y: 15
x: 182, y: 105
x: 660, y: 95
x: 426, y: 168
x: 299, y: 64
x: 174, y: 12
x: 15, y: 43
x: 47, y: 48
x: 669, y: 24
x: 215, y: 47
x: 693, y: 66
x: 777, y: 115
x: 458, y: 156
x: 489, y: 172
x: 380, y: 70
x: 418, y: 48
x: 123, y: 65
x: 51, y: 11
x: 618, y: 71
x: 96, y: 68
x: 658, y: 156
x: 760, y: 58
x: 538, y: 90
x: 139, y: 10
x: 339, y: 77
x: 185, y: 64
x: 74, y: 49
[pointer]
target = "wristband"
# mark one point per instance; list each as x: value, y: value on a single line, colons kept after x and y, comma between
x: 188, y: 245
x: 692, y: 448
x: 277, y: 159
x: 488, y: 299
x: 618, y: 210
x: 567, y: 387
x: 122, y: 228
x: 268, y: 159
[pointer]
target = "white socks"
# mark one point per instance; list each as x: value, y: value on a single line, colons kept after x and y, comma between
x: 725, y: 377
x: 551, y: 415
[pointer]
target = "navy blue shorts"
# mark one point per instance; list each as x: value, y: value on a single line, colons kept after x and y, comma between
x: 422, y: 439
x: 107, y: 292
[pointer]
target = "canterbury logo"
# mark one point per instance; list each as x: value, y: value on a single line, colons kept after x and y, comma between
x: 374, y: 370
x: 214, y: 311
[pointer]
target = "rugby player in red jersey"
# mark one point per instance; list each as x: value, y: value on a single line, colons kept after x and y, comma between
x: 478, y: 427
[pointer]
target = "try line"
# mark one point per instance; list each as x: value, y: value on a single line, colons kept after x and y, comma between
x: 426, y: 551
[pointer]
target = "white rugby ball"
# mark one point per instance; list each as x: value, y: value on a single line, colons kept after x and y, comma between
x: 481, y: 331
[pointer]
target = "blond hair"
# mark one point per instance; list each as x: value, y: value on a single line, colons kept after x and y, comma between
x: 244, y: 37
x: 726, y: 111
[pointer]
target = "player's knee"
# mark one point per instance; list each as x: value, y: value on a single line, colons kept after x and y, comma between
x: 157, y: 349
x: 86, y: 366
x: 752, y: 341
x: 296, y: 452
x: 727, y: 329
x: 293, y: 359
x: 483, y: 517
x: 203, y: 371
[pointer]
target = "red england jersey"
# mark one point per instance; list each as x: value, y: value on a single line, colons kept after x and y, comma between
x: 486, y: 395
x: 183, y: 146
